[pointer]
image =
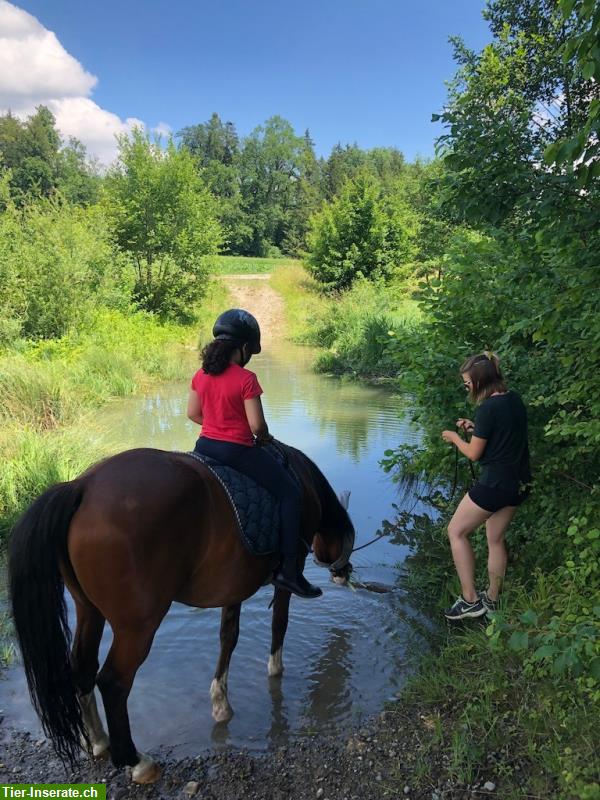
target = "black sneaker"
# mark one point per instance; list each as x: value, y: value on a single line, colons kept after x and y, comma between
x: 461, y: 609
x: 490, y: 605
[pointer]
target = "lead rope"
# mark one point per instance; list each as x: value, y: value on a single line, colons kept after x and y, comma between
x: 454, y: 485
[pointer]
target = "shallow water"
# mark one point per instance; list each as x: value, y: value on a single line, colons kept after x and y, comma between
x: 346, y: 653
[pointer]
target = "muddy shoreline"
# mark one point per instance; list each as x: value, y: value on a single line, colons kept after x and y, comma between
x: 380, y: 760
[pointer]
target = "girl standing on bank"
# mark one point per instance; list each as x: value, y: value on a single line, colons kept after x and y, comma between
x: 499, y: 443
x: 225, y: 400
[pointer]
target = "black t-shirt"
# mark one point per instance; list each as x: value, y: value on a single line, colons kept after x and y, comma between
x: 502, y: 421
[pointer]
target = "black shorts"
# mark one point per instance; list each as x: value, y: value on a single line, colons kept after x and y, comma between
x: 492, y: 499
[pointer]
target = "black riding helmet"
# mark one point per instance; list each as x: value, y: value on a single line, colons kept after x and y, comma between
x: 237, y: 325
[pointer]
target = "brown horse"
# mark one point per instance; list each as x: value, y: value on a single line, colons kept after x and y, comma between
x: 130, y: 536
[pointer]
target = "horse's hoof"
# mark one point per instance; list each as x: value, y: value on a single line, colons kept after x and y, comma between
x: 275, y: 666
x: 222, y: 713
x: 221, y: 710
x: 146, y: 770
x: 101, y: 748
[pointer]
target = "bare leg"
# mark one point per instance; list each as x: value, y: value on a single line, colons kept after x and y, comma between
x: 495, y: 528
x: 230, y: 628
x: 281, y: 607
x: 84, y: 662
x: 467, y: 517
x: 129, y: 649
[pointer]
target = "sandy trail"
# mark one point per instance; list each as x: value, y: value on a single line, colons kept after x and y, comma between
x: 253, y: 293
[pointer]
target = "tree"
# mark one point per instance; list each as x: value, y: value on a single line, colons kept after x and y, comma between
x: 78, y: 178
x: 580, y: 147
x: 165, y: 219
x: 40, y: 164
x: 358, y: 234
x: 215, y: 145
x: 343, y: 164
x: 273, y: 168
x: 530, y: 267
x: 211, y: 141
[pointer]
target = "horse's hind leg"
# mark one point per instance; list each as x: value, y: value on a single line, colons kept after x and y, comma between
x: 281, y: 608
x: 230, y: 629
x: 84, y: 663
x: 129, y: 649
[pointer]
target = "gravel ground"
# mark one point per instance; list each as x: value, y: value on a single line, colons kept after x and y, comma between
x: 382, y: 760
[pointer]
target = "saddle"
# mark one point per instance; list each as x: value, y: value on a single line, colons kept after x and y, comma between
x: 255, y: 508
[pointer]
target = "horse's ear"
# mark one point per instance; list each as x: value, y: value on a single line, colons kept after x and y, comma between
x: 344, y: 498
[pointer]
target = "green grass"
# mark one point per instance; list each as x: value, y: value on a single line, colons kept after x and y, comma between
x: 49, y: 389
x: 534, y: 733
x: 304, y: 302
x: 361, y: 332
x: 249, y: 265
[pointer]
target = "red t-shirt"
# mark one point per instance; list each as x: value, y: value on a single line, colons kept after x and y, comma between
x: 222, y: 399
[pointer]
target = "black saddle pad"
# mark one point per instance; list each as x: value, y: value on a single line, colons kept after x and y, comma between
x: 256, y: 509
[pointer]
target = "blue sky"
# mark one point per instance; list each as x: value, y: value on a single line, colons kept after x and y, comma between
x: 365, y: 71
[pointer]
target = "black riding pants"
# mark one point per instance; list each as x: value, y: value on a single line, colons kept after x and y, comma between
x: 256, y: 463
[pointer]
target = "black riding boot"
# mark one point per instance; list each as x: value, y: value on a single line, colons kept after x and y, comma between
x: 290, y: 577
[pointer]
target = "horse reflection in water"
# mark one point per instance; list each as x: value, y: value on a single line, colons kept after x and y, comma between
x: 130, y: 536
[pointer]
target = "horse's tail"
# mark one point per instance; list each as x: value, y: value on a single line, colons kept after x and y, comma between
x: 37, y: 545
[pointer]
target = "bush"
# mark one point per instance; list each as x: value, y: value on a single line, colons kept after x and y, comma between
x: 54, y: 257
x: 359, y: 235
x: 165, y: 220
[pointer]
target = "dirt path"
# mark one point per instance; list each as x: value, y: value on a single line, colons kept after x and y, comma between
x: 253, y: 293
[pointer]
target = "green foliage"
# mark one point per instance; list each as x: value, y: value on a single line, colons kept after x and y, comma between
x: 580, y: 149
x: 360, y: 234
x: 384, y: 164
x: 54, y: 257
x: 164, y: 219
x: 276, y: 173
x: 357, y: 328
x: 39, y: 162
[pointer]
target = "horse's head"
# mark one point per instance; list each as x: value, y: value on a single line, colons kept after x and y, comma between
x: 333, y: 543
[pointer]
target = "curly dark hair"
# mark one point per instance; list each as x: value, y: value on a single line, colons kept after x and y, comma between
x: 216, y: 355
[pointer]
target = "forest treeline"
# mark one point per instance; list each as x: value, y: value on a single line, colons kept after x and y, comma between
x: 145, y: 229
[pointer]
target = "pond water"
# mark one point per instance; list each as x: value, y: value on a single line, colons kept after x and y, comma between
x: 346, y: 653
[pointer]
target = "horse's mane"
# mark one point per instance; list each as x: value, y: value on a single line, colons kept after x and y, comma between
x: 333, y: 512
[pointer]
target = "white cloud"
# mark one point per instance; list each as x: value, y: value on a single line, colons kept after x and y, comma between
x: 163, y: 129
x: 35, y: 69
x: 94, y: 126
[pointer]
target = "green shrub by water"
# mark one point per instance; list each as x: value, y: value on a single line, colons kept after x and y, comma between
x: 359, y: 330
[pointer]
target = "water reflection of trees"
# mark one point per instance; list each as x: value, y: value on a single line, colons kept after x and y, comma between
x: 330, y: 693
x: 157, y: 419
x: 348, y: 413
x: 347, y: 410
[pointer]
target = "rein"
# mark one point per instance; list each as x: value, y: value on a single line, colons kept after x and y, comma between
x: 376, y: 539
x: 455, y: 478
x: 452, y: 493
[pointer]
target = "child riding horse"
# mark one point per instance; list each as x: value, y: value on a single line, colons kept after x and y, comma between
x: 225, y: 400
